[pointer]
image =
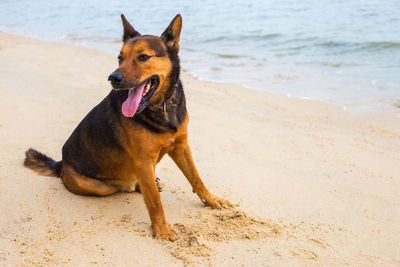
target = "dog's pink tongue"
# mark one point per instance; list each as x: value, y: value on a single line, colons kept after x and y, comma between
x: 131, y: 104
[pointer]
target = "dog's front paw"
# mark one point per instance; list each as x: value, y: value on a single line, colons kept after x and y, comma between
x: 217, y: 202
x: 165, y: 234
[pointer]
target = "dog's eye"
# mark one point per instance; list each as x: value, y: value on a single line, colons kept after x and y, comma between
x: 119, y: 59
x: 143, y: 57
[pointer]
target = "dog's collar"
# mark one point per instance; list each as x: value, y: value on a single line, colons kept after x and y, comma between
x: 167, y: 102
x: 163, y: 106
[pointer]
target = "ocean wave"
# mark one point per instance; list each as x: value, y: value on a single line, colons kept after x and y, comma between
x: 228, y: 56
x: 253, y: 37
x: 381, y: 45
x: 353, y: 46
x: 334, y: 44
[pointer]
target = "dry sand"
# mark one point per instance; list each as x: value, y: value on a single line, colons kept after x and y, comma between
x: 312, y: 184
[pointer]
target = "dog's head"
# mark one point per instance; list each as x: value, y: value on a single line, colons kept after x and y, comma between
x: 146, y: 64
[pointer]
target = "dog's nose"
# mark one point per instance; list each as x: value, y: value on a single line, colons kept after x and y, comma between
x: 115, y: 77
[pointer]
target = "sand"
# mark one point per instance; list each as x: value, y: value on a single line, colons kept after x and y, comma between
x: 312, y: 185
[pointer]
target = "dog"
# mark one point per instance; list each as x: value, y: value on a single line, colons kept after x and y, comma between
x: 117, y: 146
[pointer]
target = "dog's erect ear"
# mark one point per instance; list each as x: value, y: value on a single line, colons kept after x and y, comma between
x: 129, y: 31
x: 172, y: 34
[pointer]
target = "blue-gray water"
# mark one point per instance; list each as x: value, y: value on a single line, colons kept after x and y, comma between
x: 346, y: 52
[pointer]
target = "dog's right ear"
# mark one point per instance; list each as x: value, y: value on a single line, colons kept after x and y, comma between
x: 129, y: 31
x: 172, y: 34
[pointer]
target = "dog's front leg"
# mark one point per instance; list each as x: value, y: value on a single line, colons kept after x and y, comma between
x: 148, y: 187
x: 182, y: 156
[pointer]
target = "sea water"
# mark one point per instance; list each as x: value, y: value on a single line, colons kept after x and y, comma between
x: 341, y: 51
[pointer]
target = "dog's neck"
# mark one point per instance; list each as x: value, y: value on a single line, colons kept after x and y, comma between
x: 167, y: 116
x: 168, y: 101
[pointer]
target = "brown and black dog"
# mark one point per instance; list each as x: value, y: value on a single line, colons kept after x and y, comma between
x: 117, y: 145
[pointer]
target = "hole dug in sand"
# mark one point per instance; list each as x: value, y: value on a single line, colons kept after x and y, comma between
x: 216, y: 226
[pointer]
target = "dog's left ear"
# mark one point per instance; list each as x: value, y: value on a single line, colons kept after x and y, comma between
x: 129, y: 31
x: 172, y: 34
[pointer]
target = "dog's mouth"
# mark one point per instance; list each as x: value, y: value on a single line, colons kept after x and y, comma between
x: 139, y: 97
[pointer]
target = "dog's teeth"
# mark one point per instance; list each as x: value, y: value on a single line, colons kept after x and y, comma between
x: 148, y: 86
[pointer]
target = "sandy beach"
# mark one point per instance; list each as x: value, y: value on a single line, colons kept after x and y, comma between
x: 312, y: 185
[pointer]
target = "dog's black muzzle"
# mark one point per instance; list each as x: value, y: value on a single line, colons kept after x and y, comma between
x: 116, y: 79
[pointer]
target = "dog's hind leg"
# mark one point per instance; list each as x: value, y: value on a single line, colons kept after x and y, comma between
x: 137, y: 188
x: 82, y: 185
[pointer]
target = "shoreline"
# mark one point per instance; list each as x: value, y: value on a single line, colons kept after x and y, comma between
x: 313, y: 185
x: 363, y: 107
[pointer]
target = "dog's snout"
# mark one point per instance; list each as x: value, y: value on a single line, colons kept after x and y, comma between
x: 115, y: 77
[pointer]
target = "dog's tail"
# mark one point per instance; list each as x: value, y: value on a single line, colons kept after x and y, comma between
x: 42, y: 164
